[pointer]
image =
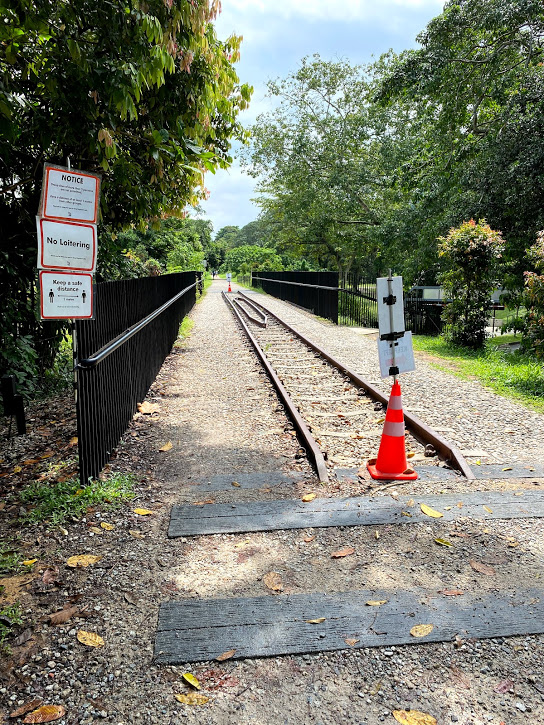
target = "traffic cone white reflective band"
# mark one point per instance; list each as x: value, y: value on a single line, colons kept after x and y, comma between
x: 393, y: 429
x: 395, y: 402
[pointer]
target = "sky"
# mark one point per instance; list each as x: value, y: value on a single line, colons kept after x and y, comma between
x: 277, y: 35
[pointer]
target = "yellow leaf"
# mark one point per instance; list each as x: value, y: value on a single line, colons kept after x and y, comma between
x: 405, y: 513
x: 413, y: 717
x: 478, y: 462
x: 95, y: 529
x: 447, y: 508
x: 73, y: 441
x: 489, y: 511
x: 443, y: 542
x: 506, y: 468
x: 143, y: 512
x: 236, y: 484
x: 376, y: 534
x: 166, y: 447
x: 192, y: 698
x: 273, y: 581
x: 421, y: 630
x: 17, y: 469
x: 90, y: 639
x: 29, y: 562
x: 82, y: 560
x: 45, y: 713
x: 108, y: 527
x: 375, y: 602
x: 191, y: 679
x: 136, y: 534
x: 428, y: 511
x: 351, y: 642
x: 309, y: 497
x: 319, y: 620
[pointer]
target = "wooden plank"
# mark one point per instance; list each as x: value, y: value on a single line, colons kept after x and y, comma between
x: 224, y: 481
x: 425, y: 471
x: 508, y: 470
x: 358, y: 511
x: 201, y: 630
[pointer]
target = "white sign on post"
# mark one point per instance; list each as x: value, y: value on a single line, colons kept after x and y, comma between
x: 387, y: 322
x: 69, y: 194
x: 404, y: 355
x: 66, y: 296
x: 66, y: 245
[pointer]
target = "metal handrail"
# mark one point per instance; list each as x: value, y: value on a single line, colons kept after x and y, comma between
x: 297, y: 284
x: 115, y: 344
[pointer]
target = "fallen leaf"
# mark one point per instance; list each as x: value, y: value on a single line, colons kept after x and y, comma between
x: 405, y: 513
x: 482, y: 568
x: 460, y: 505
x: 192, y: 698
x: 346, y: 551
x: 47, y: 455
x: 376, y: 602
x: 273, y: 581
x: 148, y: 408
x: 50, y: 575
x: 428, y: 511
x: 421, y: 630
x: 191, y: 679
x: 17, y: 469
x: 376, y: 535
x: 489, y: 511
x: 460, y: 677
x: 451, y: 592
x: 376, y: 688
x: 73, y: 441
x: 130, y: 598
x: 506, y: 468
x: 443, y: 542
x: 46, y: 713
x: 29, y: 562
x: 143, y: 512
x: 309, y: 497
x: 166, y: 447
x: 82, y: 560
x: 351, y: 642
x: 27, y: 707
x: 236, y: 484
x: 513, y: 544
x: 31, y: 461
x: 225, y: 656
x: 319, y: 620
x: 411, y: 502
x: 63, y: 616
x: 504, y: 686
x: 95, y: 529
x: 204, y: 503
x: 108, y: 527
x: 413, y: 717
x: 307, y: 539
x: 90, y: 639
x: 136, y: 534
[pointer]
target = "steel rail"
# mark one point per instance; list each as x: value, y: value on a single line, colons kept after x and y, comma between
x: 415, y: 425
x: 115, y: 344
x: 262, y: 322
x: 312, y: 448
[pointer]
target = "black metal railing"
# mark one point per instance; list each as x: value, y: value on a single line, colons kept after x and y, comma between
x: 357, y: 302
x: 313, y: 291
x: 119, y: 353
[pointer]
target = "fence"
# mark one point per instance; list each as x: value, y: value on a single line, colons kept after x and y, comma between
x: 357, y: 301
x: 119, y: 355
x: 314, y: 291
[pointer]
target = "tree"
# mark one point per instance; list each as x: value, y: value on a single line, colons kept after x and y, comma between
x: 251, y: 258
x: 146, y: 94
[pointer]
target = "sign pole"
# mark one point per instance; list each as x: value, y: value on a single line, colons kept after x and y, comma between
x: 394, y: 367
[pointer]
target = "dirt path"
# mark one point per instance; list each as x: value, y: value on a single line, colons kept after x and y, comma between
x: 221, y: 416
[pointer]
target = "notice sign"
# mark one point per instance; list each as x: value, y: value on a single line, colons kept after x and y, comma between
x: 69, y: 195
x: 404, y: 355
x: 66, y: 296
x: 66, y: 245
x: 390, y: 305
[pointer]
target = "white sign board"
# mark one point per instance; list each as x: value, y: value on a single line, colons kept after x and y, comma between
x: 69, y: 195
x: 66, y: 296
x: 404, y: 355
x: 384, y: 310
x: 66, y: 245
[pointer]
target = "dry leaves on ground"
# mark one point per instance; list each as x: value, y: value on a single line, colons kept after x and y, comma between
x: 143, y: 512
x: 319, y: 620
x: 375, y: 602
x: 64, y: 615
x: 421, y: 630
x: 309, y: 497
x: 413, y: 717
x: 482, y: 568
x: 226, y: 655
x: 451, y: 592
x: 46, y: 713
x: 347, y: 551
x: 82, y: 560
x: 428, y: 511
x: 192, y: 698
x: 90, y: 639
x: 27, y: 707
x: 273, y: 581
x: 191, y: 679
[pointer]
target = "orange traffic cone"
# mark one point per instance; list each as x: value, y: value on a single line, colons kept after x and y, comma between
x: 229, y: 289
x: 391, y: 463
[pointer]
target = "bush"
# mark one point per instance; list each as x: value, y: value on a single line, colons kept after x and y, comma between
x: 472, y: 254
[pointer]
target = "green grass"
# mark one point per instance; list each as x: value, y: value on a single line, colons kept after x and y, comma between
x: 10, y: 559
x: 14, y: 614
x: 513, y: 374
x: 54, y: 503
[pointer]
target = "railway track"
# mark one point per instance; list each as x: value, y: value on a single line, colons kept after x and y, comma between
x: 338, y: 416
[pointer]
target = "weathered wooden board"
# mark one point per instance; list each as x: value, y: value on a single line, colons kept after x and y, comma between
x: 225, y: 481
x: 507, y: 470
x: 200, y: 630
x: 359, y: 511
x: 425, y: 471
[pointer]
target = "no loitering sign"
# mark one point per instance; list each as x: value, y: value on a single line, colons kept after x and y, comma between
x: 66, y: 245
x: 66, y: 296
